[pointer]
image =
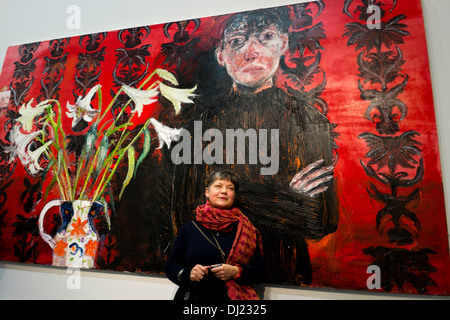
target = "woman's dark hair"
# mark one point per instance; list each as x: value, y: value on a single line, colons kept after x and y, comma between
x: 223, y: 175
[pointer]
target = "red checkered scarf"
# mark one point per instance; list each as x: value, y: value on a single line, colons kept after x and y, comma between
x: 247, y: 238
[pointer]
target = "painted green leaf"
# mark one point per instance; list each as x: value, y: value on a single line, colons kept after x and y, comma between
x: 145, y: 150
x: 101, y: 157
x: 43, y: 178
x: 91, y: 137
x: 50, y: 186
x: 59, y: 160
x: 131, y: 164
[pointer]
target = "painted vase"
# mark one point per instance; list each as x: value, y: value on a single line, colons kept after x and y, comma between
x: 76, y: 241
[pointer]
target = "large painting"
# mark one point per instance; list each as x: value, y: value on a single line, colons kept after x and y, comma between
x: 323, y: 109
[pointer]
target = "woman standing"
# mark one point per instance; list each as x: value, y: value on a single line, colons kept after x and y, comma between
x: 219, y: 255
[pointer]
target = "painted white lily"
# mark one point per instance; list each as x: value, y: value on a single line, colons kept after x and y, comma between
x: 141, y: 97
x: 165, y: 134
x: 28, y: 113
x: 177, y: 96
x: 33, y: 165
x: 21, y: 144
x: 167, y: 75
x: 82, y: 108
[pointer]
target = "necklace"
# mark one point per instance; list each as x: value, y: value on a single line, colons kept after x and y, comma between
x: 216, y: 245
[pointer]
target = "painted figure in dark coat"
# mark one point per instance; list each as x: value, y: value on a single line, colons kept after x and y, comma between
x: 293, y: 203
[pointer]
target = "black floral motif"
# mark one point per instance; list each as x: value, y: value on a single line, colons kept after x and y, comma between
x: 402, y: 266
x: 27, y: 229
x: 393, y: 160
x: 363, y: 9
x: 133, y: 37
x: 31, y: 195
x: 53, y: 71
x: 397, y: 179
x: 131, y: 65
x: 380, y: 67
x: 23, y: 70
x: 391, y: 32
x: 392, y: 151
x: 302, y: 64
x: 396, y: 211
x: 312, y: 97
x: 302, y: 13
x: 3, y: 197
x: 89, y: 63
x: 180, y: 53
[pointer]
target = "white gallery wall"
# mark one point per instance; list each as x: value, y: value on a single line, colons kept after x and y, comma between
x: 30, y: 21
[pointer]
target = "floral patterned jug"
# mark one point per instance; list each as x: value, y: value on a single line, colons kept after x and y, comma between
x: 76, y: 241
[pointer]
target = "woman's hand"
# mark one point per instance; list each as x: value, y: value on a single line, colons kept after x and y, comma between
x: 225, y: 272
x: 198, y: 272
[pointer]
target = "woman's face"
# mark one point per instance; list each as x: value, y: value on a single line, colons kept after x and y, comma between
x: 221, y: 194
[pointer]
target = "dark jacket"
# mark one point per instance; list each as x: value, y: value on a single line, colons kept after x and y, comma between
x: 191, y: 248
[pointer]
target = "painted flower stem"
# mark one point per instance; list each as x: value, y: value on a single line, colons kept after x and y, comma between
x: 106, y: 142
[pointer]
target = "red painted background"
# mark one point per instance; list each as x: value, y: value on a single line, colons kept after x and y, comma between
x: 338, y: 260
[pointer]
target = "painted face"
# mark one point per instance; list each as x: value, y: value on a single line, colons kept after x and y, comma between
x: 252, y: 59
x: 221, y: 194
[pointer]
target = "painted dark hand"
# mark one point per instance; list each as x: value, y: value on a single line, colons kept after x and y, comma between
x: 198, y: 272
x: 313, y: 179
